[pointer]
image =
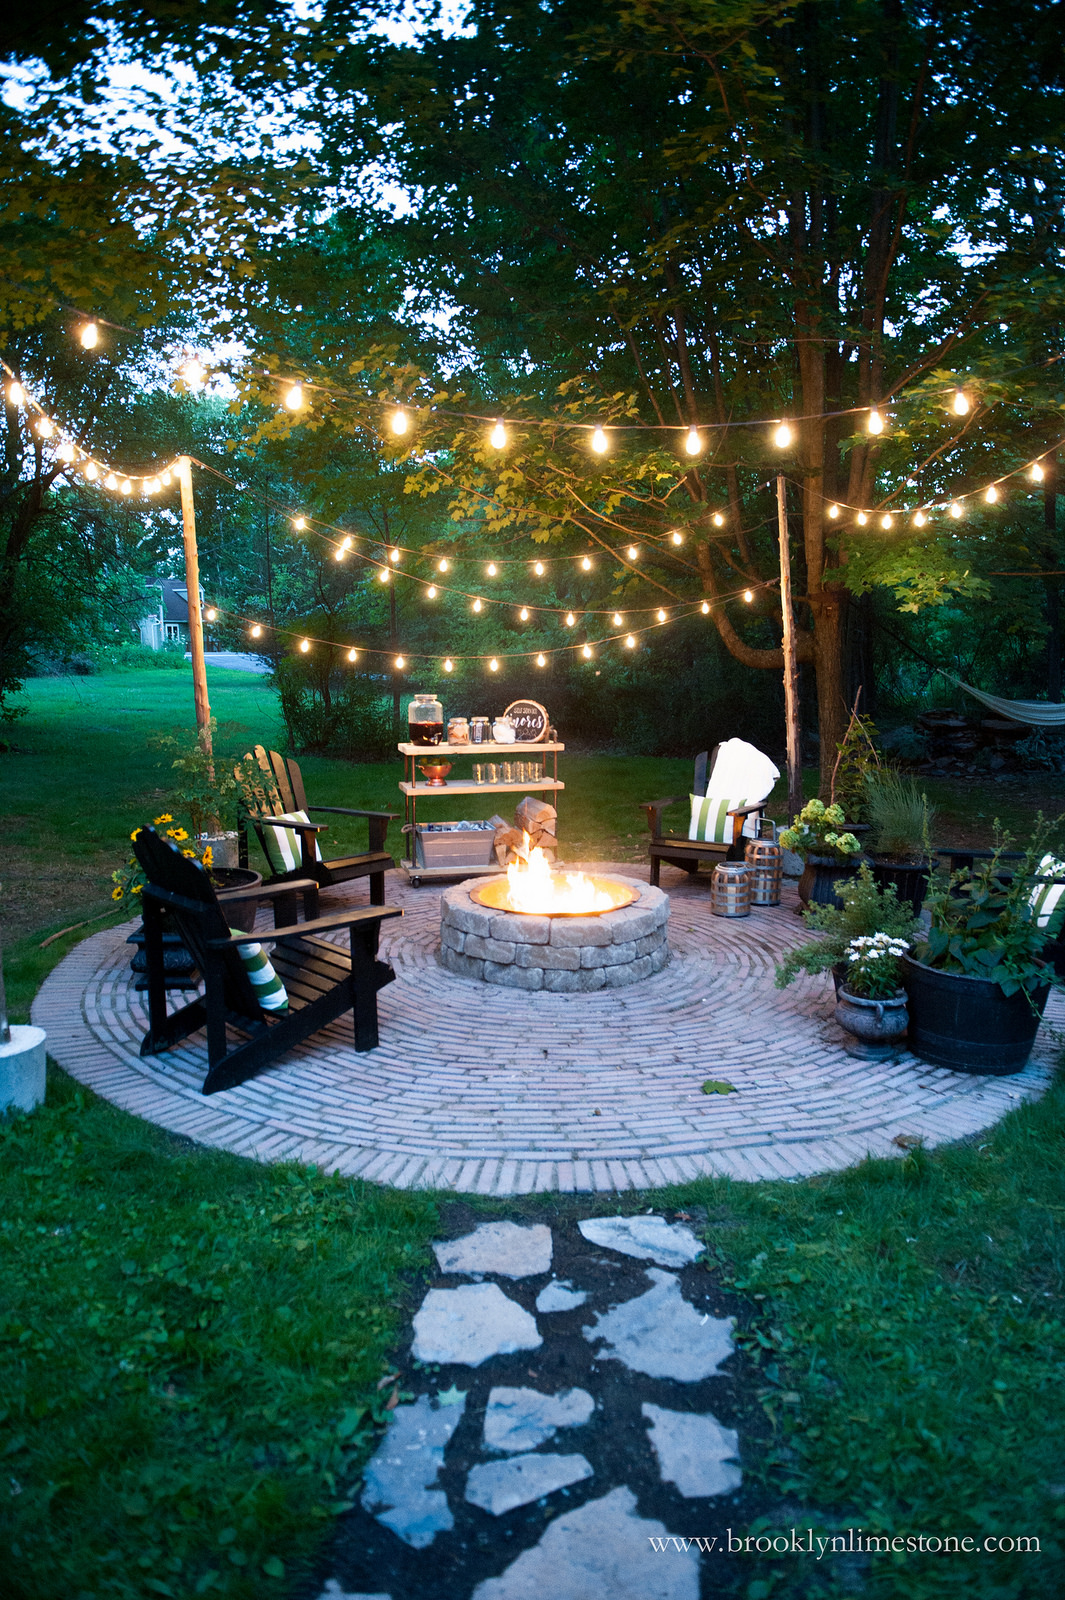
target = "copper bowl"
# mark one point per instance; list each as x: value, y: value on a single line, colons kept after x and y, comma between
x: 435, y: 772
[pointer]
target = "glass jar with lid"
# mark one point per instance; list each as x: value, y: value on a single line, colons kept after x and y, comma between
x: 425, y: 719
x: 458, y: 730
x: 480, y: 730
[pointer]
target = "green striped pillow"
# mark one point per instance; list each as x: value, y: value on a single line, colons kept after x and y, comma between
x: 1048, y: 899
x: 283, y: 844
x: 710, y: 818
x: 269, y: 990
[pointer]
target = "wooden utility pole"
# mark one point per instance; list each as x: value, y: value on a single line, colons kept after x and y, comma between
x: 791, y: 666
x: 192, y: 583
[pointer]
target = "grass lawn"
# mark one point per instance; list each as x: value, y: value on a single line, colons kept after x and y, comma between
x: 191, y: 1344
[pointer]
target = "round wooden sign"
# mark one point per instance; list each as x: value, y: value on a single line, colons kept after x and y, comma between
x: 530, y: 720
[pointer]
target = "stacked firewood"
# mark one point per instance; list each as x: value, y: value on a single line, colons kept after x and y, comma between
x: 534, y: 825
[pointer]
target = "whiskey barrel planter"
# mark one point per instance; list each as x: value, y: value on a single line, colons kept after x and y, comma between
x: 820, y: 876
x: 968, y: 1024
x: 910, y: 880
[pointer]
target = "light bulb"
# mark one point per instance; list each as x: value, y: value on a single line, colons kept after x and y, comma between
x: 874, y: 421
x: 45, y: 430
x: 346, y: 542
x: 194, y: 372
x: 617, y: 619
x: 661, y: 616
x: 586, y: 565
x: 705, y: 608
x: 294, y: 397
x: 256, y: 632
x: 400, y: 423
x: 493, y: 665
x: 919, y: 519
x: 383, y: 574
x: 400, y: 663
x: 165, y: 480
x: 442, y: 566
x: 719, y: 521
x: 211, y: 614
x: 431, y: 591
x: 677, y: 538
x: 833, y: 512
x: 632, y: 552
x: 630, y: 642
x: 393, y: 555
x: 600, y: 442
x: 449, y: 666
x: 299, y: 523
x: 91, y: 471
x: 886, y: 520
x: 693, y: 444
x: 492, y: 569
x: 353, y: 655
x: 539, y: 569
x: 748, y: 595
x: 955, y: 509
x: 65, y: 451
x: 991, y: 495
x: 477, y: 606
x: 523, y: 614
x: 861, y: 519
x: 960, y: 403
x: 90, y: 336
x: 541, y: 661
x: 783, y: 436
x: 339, y: 553
x: 16, y: 393
x: 1036, y: 473
x: 151, y: 486
x: 570, y: 619
x: 305, y: 645
x: 110, y: 482
x: 499, y: 436
x: 586, y: 652
x: 126, y: 486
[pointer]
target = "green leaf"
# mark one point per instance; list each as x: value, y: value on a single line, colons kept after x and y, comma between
x: 719, y: 1086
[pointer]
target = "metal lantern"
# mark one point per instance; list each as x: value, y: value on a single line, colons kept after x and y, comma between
x: 730, y: 890
x: 765, y: 863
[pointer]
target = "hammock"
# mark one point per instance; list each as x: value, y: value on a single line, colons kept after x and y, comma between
x: 1037, y: 713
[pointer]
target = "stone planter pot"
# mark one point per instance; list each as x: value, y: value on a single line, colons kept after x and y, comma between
x: 224, y: 848
x: 876, y: 1027
x: 240, y: 916
x: 178, y: 965
x: 820, y: 875
x: 910, y: 879
x: 968, y: 1024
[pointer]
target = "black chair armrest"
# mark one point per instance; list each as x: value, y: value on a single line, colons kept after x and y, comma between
x: 349, y: 811
x: 341, y: 919
x: 267, y: 891
x: 654, y: 809
x: 746, y: 811
x: 297, y: 827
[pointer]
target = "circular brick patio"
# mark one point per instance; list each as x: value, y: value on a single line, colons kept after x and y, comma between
x: 495, y: 1091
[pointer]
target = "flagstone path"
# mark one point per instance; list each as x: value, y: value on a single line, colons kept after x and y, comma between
x: 554, y: 1469
x: 500, y: 1092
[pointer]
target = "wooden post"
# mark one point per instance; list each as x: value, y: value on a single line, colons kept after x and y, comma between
x: 791, y: 669
x: 192, y: 582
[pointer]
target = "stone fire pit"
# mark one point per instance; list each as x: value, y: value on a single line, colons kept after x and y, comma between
x: 565, y: 955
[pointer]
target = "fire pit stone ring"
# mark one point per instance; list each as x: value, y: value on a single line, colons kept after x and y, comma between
x: 560, y: 954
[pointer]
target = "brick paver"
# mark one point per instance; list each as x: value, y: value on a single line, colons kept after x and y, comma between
x: 492, y: 1091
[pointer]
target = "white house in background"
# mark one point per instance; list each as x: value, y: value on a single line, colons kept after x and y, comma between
x: 169, y: 623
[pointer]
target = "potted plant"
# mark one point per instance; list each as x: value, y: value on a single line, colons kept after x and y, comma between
x: 978, y: 983
x: 871, y: 1002
x: 900, y: 820
x: 866, y: 910
x: 818, y: 835
x: 207, y: 788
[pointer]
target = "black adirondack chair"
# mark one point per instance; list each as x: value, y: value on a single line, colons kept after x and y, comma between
x: 689, y: 853
x: 281, y: 793
x: 322, y: 980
